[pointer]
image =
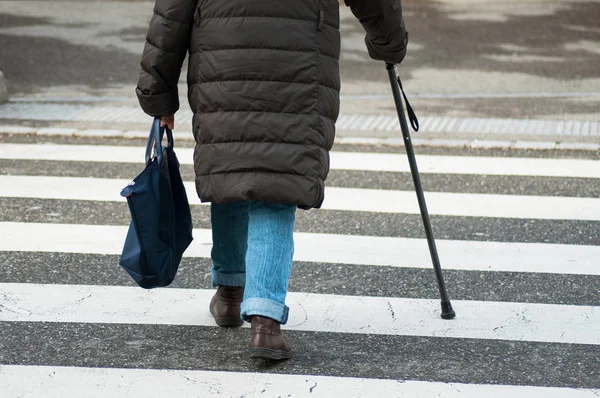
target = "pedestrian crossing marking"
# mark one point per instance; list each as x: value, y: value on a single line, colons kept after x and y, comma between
x: 336, y: 198
x: 477, y: 321
x: 551, y: 323
x: 328, y: 248
x: 473, y: 165
x: 103, y: 382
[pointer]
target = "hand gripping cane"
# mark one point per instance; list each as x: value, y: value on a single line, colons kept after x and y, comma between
x: 447, y: 311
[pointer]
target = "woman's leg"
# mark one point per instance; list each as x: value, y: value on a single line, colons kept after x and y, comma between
x: 230, y: 236
x: 268, y: 260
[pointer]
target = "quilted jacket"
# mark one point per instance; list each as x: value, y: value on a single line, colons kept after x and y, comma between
x: 263, y: 84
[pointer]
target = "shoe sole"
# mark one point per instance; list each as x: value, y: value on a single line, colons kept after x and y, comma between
x: 229, y: 322
x: 226, y: 322
x: 267, y: 353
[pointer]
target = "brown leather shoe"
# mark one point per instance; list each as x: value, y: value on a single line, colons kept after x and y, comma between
x: 267, y: 341
x: 225, y: 306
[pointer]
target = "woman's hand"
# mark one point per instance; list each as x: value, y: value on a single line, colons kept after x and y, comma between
x: 168, y: 121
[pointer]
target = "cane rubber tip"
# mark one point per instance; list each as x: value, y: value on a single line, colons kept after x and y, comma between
x: 447, y: 311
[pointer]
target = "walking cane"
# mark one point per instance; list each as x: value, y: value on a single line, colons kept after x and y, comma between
x: 447, y: 311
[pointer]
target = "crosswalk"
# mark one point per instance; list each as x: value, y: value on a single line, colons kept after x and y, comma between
x: 518, y: 238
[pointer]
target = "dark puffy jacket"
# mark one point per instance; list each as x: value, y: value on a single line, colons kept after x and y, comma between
x: 263, y: 83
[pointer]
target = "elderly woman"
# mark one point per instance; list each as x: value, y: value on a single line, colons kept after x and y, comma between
x: 263, y: 83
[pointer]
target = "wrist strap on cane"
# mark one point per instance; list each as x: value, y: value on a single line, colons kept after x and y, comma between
x: 414, y: 122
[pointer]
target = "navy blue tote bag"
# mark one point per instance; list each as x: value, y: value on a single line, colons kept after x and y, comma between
x: 161, y: 222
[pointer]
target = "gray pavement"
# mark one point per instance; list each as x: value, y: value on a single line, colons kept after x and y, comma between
x: 3, y: 89
x: 466, y: 59
x: 347, y: 355
x: 332, y: 279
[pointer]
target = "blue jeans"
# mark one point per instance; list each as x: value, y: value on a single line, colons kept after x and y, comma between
x: 253, y: 246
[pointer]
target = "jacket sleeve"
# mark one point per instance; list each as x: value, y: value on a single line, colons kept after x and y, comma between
x: 167, y: 43
x: 386, y: 37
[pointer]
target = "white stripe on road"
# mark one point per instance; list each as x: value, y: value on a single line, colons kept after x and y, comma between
x: 463, y: 204
x: 344, y: 199
x: 328, y: 248
x: 467, y: 165
x: 551, y: 323
x: 53, y: 381
x: 339, y: 160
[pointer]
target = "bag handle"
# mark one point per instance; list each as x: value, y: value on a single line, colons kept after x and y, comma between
x: 154, y: 148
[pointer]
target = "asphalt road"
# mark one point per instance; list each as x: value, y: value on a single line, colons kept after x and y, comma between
x: 478, y: 58
x: 516, y: 352
x: 365, y: 311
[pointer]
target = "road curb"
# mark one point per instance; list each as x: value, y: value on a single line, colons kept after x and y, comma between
x: 3, y: 89
x: 340, y: 140
x: 472, y: 144
x: 359, y: 125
